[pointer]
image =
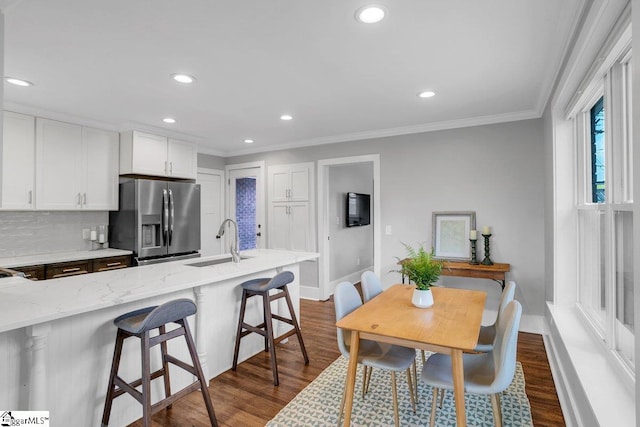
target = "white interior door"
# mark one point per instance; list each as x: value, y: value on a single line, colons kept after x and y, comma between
x: 211, y: 208
x: 246, y: 203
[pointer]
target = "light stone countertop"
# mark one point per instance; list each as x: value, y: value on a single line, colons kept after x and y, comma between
x: 27, y: 303
x: 53, y: 257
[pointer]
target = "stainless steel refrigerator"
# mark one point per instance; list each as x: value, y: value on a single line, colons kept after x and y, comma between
x: 157, y: 220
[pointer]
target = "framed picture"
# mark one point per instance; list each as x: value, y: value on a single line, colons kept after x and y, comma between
x: 451, y: 234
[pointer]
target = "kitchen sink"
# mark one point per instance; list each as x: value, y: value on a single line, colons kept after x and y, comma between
x: 215, y: 261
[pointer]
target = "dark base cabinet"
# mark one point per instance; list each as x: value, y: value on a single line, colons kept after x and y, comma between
x: 32, y: 272
x: 66, y: 269
x: 113, y: 263
x: 74, y: 268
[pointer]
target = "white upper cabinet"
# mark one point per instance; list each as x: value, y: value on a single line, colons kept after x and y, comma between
x: 289, y: 183
x: 18, y: 162
x: 147, y: 154
x: 291, y: 207
x: 101, y: 162
x: 182, y: 158
x: 58, y: 165
x: 143, y: 153
x: 76, y: 167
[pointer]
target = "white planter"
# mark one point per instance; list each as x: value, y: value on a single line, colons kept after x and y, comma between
x: 422, y: 299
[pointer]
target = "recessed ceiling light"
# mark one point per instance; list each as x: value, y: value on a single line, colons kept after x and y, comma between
x: 426, y: 94
x: 183, y: 78
x: 248, y: 141
x: 169, y: 120
x: 18, y: 82
x: 286, y: 117
x: 371, y: 14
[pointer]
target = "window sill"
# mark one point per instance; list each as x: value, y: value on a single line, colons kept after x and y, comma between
x: 590, y: 387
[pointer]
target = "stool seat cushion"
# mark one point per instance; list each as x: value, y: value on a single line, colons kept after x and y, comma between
x: 144, y: 319
x: 265, y: 284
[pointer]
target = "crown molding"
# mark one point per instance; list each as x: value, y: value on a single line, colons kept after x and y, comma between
x: 334, y: 139
x: 203, y: 149
x: 384, y: 133
x: 549, y: 82
x: 54, y: 115
x: 89, y: 122
x: 131, y: 125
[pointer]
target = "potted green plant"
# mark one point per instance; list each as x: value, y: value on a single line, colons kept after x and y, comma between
x: 423, y: 270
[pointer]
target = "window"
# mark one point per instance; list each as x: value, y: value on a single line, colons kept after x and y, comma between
x: 604, y: 210
x: 597, y: 152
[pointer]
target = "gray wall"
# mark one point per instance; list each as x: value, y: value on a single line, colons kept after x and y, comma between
x: 211, y: 162
x: 495, y: 170
x: 30, y: 233
x: 353, y: 243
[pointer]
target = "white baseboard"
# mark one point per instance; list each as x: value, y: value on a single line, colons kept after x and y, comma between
x: 351, y: 277
x: 309, y: 292
x: 531, y: 323
x: 567, y: 401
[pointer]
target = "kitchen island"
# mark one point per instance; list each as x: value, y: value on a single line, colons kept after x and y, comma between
x: 57, y: 336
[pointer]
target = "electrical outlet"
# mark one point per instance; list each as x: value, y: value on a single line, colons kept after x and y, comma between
x: 337, y: 220
x: 85, y: 233
x: 388, y: 230
x: 357, y: 261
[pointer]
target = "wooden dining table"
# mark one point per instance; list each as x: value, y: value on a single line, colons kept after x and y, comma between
x: 451, y: 326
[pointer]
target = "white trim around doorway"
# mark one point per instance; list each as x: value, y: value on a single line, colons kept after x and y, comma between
x: 261, y: 199
x: 221, y: 201
x: 326, y: 287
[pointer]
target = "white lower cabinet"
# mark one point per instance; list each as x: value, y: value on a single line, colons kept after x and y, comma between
x: 290, y: 226
x: 18, y: 162
x: 76, y: 167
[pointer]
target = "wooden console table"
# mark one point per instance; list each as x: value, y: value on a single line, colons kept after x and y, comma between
x: 496, y: 272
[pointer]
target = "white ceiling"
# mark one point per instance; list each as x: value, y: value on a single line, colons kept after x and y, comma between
x: 109, y: 62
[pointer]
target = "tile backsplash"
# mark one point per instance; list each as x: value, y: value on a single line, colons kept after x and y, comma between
x: 31, y: 233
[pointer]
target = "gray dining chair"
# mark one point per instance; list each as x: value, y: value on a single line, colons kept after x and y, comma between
x: 484, y: 373
x: 371, y: 287
x: 372, y: 354
x: 488, y: 333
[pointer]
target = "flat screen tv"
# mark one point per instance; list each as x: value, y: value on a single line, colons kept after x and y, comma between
x: 358, y: 209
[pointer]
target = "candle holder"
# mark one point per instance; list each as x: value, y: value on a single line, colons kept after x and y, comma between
x: 474, y: 260
x: 487, y: 259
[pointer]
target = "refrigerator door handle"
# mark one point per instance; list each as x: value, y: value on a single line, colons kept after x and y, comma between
x: 165, y: 216
x: 171, y: 216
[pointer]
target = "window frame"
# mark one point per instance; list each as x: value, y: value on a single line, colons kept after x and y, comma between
x: 614, y: 85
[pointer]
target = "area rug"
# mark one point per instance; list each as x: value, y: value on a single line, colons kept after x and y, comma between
x: 318, y: 404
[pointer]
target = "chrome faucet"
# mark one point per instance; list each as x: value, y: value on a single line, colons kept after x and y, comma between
x: 235, y: 252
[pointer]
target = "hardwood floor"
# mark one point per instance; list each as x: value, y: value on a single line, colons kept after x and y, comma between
x: 247, y: 397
